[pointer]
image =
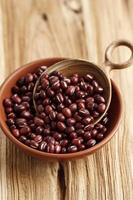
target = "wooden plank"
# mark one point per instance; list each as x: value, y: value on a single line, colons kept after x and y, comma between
x: 34, y: 29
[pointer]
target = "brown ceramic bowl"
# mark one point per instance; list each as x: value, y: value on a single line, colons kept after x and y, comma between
x: 115, y: 113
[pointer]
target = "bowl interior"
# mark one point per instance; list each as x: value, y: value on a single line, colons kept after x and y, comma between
x: 115, y: 112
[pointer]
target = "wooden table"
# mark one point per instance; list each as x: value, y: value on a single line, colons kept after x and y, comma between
x: 34, y: 29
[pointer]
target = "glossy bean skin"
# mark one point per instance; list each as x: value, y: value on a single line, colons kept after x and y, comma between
x: 61, y: 117
x: 61, y: 126
x: 38, y: 121
x: 72, y: 149
x: 7, y: 102
x: 91, y: 143
x: 34, y: 144
x: 25, y: 130
x: 66, y: 109
x: 43, y: 146
x: 16, y: 133
x: 67, y: 112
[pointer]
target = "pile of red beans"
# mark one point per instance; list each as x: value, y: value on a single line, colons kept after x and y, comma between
x: 64, y: 112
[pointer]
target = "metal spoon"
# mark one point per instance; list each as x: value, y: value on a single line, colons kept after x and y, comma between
x: 70, y: 66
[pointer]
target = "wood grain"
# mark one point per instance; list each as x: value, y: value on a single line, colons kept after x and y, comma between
x: 35, y: 29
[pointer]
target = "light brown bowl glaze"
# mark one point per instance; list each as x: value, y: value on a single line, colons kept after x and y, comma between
x: 115, y: 113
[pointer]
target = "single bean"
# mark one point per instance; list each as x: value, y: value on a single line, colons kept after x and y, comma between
x: 59, y: 98
x: 74, y: 80
x: 57, y: 136
x: 73, y: 107
x: 64, y: 142
x: 48, y: 109
x: 60, y: 117
x: 83, y: 86
x: 10, y: 122
x: 67, y: 112
x: 50, y: 148
x: 38, y: 138
x: 16, y: 133
x: 27, y: 142
x: 91, y: 142
x: 38, y: 121
x: 63, y: 150
x: 79, y: 125
x: 80, y: 94
x: 80, y: 132
x: 57, y: 148
x: 90, y: 89
x: 34, y: 144
x: 25, y: 130
x: 11, y: 115
x: 32, y: 136
x: 105, y: 120
x: 46, y: 101
x: 60, y: 107
x: 99, y: 90
x: 31, y: 86
x: 52, y: 115
x: 15, y: 89
x: 18, y: 108
x: 76, y: 141
x: 95, y: 114
x: 87, y: 120
x: 70, y: 129
x: 55, y: 85
x: 61, y: 126
x: 94, y: 133
x: 72, y: 149
x: 73, y: 135
x: 21, y: 81
x: 46, y: 131
x: 50, y: 92
x: 88, y: 127
x: 42, y: 146
x: 21, y: 122
x: 70, y: 90
x: 87, y: 135
x: 95, y: 84
x: 7, y: 102
x: 53, y: 79
x: 26, y: 114
x: 81, y: 147
x: 26, y: 98
x: 49, y: 140
x: 26, y: 104
x: 22, y: 139
x: 42, y: 94
x: 16, y: 99
x: 29, y: 78
x: 88, y: 77
x: 63, y: 85
x: 47, y: 120
x: 77, y: 117
x: 84, y: 112
x: 45, y: 83
x: 81, y: 105
x: 39, y: 130
x: 99, y: 136
x: 70, y: 121
x: 23, y: 89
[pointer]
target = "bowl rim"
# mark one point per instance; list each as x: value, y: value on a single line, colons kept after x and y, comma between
x: 41, y: 154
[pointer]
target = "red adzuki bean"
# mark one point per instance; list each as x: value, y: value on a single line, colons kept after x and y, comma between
x: 66, y: 109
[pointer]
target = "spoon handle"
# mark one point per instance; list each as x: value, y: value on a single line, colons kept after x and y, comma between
x: 108, y: 55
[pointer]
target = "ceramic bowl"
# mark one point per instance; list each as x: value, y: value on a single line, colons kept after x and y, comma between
x: 115, y: 113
